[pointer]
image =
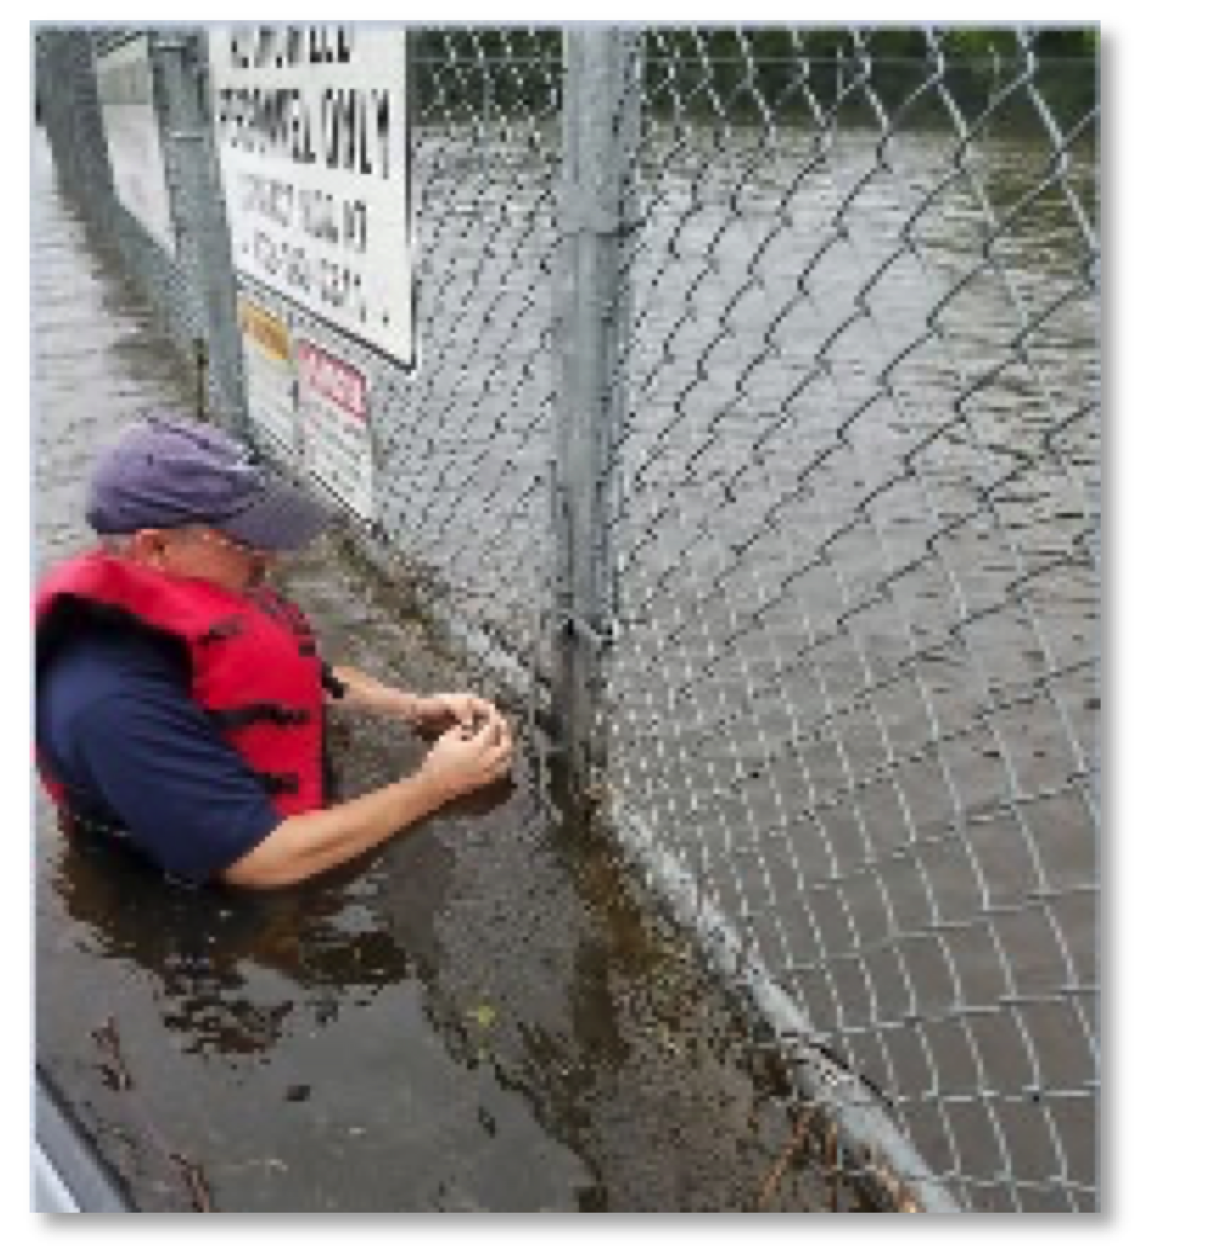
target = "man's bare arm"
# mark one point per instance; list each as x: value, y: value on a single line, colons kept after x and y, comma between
x: 307, y: 844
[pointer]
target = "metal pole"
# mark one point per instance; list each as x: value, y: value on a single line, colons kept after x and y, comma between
x: 602, y: 122
x: 198, y: 210
x: 72, y: 113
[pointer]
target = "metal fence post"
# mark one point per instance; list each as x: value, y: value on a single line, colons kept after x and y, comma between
x: 67, y: 102
x: 601, y: 126
x: 198, y: 210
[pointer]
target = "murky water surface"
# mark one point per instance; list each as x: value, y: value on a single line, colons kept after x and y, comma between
x: 473, y: 1018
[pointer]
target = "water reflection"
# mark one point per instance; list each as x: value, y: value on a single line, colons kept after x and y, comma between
x: 199, y: 945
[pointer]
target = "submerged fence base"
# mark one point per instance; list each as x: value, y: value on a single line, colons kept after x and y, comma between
x: 878, y: 1156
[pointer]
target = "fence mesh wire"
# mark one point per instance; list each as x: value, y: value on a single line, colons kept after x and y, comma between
x: 855, y: 538
x: 466, y: 444
x: 853, y: 519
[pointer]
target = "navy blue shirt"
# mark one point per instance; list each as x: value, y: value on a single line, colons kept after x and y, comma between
x: 116, y: 725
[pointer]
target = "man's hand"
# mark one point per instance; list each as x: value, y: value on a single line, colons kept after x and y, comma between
x: 444, y: 710
x: 462, y: 761
x: 431, y: 715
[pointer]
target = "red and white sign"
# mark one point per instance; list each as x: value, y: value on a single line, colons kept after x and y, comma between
x: 334, y: 430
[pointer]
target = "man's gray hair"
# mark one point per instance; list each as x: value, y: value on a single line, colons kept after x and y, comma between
x: 117, y: 546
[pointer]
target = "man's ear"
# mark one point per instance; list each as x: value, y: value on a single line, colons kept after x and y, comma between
x: 148, y: 546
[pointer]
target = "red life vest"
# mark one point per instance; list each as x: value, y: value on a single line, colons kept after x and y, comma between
x: 253, y: 662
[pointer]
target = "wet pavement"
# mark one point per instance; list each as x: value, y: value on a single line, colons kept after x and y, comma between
x: 479, y: 1016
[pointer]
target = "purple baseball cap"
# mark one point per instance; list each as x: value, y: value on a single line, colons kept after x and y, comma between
x: 166, y: 471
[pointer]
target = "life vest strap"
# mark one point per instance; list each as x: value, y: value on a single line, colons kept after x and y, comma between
x: 224, y: 629
x: 278, y: 785
x: 236, y: 718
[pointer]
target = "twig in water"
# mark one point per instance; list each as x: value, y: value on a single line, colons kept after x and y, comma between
x: 106, y: 1037
x: 777, y: 1173
x: 195, y: 1182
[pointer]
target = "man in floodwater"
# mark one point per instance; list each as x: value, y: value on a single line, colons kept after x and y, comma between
x: 180, y: 701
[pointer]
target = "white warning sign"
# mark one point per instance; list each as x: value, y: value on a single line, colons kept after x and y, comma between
x: 313, y: 151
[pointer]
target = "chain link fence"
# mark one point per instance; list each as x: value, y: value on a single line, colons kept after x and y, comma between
x: 755, y: 429
x: 854, y: 552
x: 469, y: 448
